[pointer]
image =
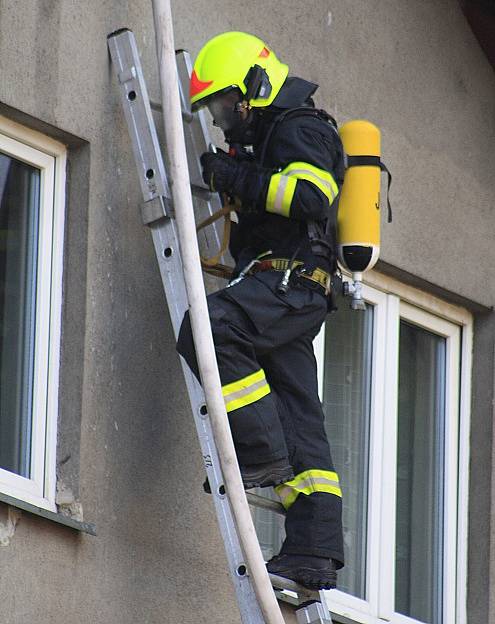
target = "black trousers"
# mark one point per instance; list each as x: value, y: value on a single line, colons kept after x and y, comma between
x: 264, y: 347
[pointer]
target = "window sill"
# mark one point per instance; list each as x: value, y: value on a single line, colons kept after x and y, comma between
x: 83, y: 527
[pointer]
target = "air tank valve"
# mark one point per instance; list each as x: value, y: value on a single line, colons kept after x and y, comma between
x: 354, y: 289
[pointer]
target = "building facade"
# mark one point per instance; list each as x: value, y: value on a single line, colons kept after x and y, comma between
x: 95, y: 430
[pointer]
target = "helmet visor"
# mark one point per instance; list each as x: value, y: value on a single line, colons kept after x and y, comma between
x: 224, y: 108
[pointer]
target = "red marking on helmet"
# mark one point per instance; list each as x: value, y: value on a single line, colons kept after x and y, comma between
x: 198, y: 85
x: 264, y: 53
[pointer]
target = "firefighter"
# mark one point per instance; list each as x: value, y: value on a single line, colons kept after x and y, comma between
x: 284, y: 169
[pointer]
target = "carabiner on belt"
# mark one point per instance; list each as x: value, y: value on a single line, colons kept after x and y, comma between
x: 283, y: 285
x: 248, y: 267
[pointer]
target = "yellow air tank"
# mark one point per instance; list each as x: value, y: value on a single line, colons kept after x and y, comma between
x: 359, y: 205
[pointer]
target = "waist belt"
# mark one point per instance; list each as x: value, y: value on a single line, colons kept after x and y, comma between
x: 317, y: 276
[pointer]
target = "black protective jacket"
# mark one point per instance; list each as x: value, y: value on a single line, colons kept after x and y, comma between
x: 291, y: 130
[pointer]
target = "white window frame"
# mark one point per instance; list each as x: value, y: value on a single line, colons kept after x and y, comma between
x: 392, y: 302
x: 49, y: 156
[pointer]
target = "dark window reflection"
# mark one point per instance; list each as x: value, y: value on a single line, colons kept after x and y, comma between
x: 19, y: 212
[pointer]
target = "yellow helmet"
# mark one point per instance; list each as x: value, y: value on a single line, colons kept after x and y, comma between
x: 237, y: 60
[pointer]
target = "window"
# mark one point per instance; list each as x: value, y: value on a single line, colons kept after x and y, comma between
x: 394, y: 383
x: 32, y: 170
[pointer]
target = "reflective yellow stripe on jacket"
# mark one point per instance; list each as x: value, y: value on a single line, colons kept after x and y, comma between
x: 308, y: 482
x: 245, y: 391
x: 283, y: 186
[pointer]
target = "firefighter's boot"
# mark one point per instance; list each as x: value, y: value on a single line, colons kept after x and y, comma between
x: 266, y: 475
x: 312, y: 572
x: 262, y: 475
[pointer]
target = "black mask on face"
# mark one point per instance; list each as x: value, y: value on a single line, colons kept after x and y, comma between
x: 225, y: 109
x: 244, y: 132
x: 237, y: 124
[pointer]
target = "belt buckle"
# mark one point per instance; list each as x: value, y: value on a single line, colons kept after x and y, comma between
x: 319, y: 277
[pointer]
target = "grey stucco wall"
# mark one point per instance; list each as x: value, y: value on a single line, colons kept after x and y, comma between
x: 413, y: 68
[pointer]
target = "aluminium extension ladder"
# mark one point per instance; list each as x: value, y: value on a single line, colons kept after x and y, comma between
x: 157, y: 213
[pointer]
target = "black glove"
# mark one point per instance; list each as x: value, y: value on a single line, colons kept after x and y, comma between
x: 220, y: 171
x: 244, y: 179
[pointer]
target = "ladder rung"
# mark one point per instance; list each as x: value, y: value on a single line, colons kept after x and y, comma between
x: 187, y: 116
x: 265, y: 503
x: 279, y: 582
x: 202, y: 192
x: 287, y: 597
x: 156, y: 106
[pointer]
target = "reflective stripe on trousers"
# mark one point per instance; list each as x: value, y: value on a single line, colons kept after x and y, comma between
x: 245, y: 391
x: 309, y: 482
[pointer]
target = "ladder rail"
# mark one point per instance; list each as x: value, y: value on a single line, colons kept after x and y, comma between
x: 156, y: 214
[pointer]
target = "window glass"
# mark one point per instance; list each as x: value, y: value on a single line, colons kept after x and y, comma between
x: 19, y: 211
x: 269, y: 526
x: 420, y: 469
x: 347, y: 405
